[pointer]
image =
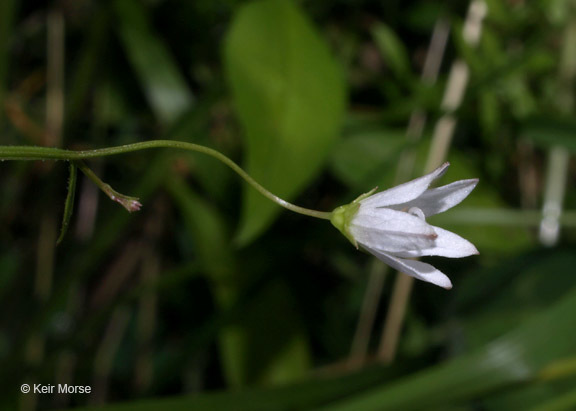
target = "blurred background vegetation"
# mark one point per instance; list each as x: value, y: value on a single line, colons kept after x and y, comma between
x: 211, y: 297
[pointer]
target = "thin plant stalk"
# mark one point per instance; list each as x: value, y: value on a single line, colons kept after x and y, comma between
x: 441, y: 140
x: 378, y: 271
x: 47, y: 234
x: 46, y: 153
x: 558, y: 157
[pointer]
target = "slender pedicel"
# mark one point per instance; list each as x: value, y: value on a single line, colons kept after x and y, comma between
x: 48, y: 153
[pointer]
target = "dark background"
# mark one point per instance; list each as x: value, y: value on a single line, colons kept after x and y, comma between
x: 211, y: 297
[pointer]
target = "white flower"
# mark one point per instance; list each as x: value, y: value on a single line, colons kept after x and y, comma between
x: 392, y: 225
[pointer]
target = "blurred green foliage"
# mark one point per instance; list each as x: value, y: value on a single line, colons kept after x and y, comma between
x: 211, y: 297
x: 289, y: 96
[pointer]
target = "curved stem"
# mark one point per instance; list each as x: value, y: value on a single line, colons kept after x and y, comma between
x: 47, y: 153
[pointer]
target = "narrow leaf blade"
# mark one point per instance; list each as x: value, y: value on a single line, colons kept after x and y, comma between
x: 163, y: 84
x: 69, y: 204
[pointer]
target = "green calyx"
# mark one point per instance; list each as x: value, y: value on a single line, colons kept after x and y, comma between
x: 343, y: 215
x: 341, y: 218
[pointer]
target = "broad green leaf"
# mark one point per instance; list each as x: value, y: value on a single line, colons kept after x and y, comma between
x: 164, y: 86
x: 289, y: 97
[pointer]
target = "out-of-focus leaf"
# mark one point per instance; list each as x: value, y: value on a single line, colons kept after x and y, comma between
x: 208, y: 230
x: 392, y: 49
x: 111, y: 108
x: 549, y: 131
x: 305, y: 395
x: 490, y: 238
x: 498, y: 12
x: 289, y: 97
x: 468, y: 52
x: 86, y: 68
x: 364, y: 159
x: 247, y: 358
x: 525, y: 396
x: 497, y: 298
x: 423, y: 15
x: 163, y: 84
x: 491, y: 47
x: 490, y: 112
x: 494, y: 298
x: 517, y: 357
x: 280, y: 358
x: 521, y: 99
x: 566, y: 402
x: 514, y: 358
x: 558, y: 12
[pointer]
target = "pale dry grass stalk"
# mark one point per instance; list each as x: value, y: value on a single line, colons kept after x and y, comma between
x: 441, y: 140
x: 48, y: 230
x: 378, y: 270
x: 106, y: 353
x: 559, y: 157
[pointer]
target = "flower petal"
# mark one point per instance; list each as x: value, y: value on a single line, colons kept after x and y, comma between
x: 447, y: 244
x: 392, y: 231
x: 416, y: 269
x: 404, y: 192
x: 438, y: 200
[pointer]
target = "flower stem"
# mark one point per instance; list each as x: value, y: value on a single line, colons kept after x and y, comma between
x: 129, y: 203
x: 48, y: 153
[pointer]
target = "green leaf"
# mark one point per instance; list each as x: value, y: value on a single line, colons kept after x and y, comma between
x: 163, y: 84
x: 494, y: 299
x: 86, y: 67
x: 511, y: 291
x: 207, y: 229
x: 247, y: 358
x: 392, y: 49
x: 422, y: 16
x: 495, y: 238
x: 304, y: 395
x: 364, y: 159
x: 69, y: 204
x: 551, y: 131
x: 282, y: 357
x: 289, y: 97
x: 566, y: 402
x: 514, y: 358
